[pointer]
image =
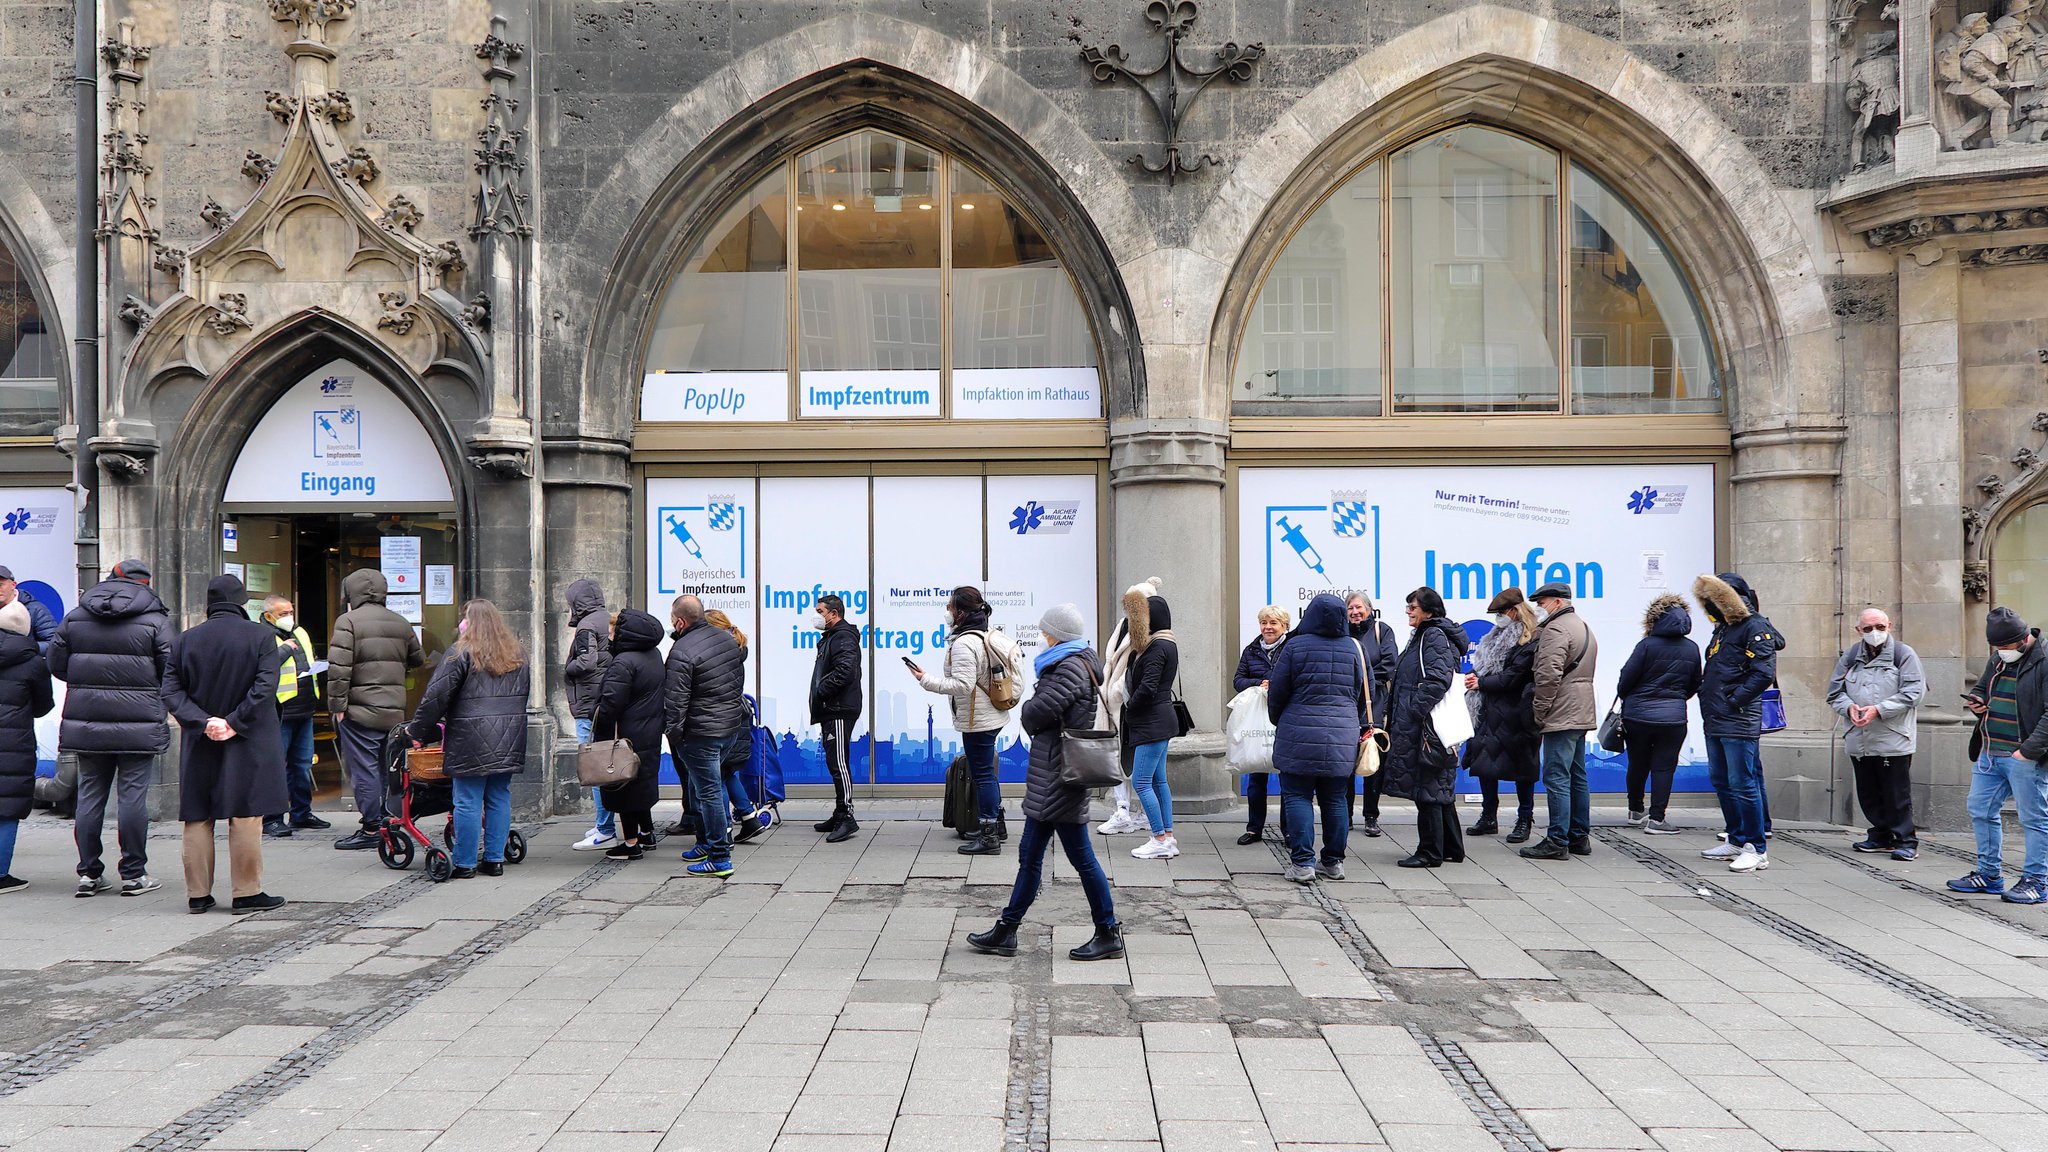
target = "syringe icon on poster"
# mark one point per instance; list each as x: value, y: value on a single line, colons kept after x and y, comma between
x: 1297, y: 540
x: 681, y: 532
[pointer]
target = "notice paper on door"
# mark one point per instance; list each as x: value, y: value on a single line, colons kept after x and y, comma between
x: 399, y: 559
x: 406, y: 606
x: 440, y: 583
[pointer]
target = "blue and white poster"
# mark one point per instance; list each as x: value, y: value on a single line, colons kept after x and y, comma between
x: 1620, y: 535
x: 814, y: 542
x: 36, y: 534
x: 339, y: 436
x: 700, y: 540
x: 927, y: 541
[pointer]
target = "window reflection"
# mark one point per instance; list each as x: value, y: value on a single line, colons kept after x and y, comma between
x: 1316, y: 328
x: 30, y: 404
x: 2019, y: 563
x: 1638, y: 344
x: 1474, y: 265
x: 1021, y: 345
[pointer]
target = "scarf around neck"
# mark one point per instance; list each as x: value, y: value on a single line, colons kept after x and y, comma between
x: 1055, y: 654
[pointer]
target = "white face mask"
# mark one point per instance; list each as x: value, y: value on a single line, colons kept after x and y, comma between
x: 1542, y: 613
x: 1876, y: 639
x: 286, y: 621
x: 2009, y: 655
x: 1504, y: 620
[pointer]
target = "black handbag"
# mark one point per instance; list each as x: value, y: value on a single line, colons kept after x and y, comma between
x: 1614, y: 730
x: 1434, y: 756
x: 1093, y: 757
x: 1183, y: 720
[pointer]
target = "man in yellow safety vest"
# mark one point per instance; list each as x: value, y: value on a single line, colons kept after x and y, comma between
x: 298, y: 699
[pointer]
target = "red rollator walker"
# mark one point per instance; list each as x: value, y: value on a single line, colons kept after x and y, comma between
x: 415, y: 787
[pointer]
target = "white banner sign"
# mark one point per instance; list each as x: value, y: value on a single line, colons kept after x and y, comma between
x: 868, y: 395
x: 1026, y: 394
x: 339, y: 436
x: 714, y: 397
x: 1619, y: 535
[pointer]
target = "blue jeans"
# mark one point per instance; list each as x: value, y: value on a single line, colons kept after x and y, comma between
x: 1564, y: 778
x: 735, y: 782
x: 600, y: 816
x: 1299, y: 795
x: 1737, y: 776
x: 8, y: 830
x: 298, y: 766
x: 2027, y: 784
x: 702, y: 756
x: 1031, y: 846
x: 981, y: 760
x: 482, y: 804
x: 1148, y: 779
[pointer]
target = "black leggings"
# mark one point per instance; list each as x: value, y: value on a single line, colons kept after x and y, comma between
x: 636, y: 826
x: 1652, y: 759
x: 1489, y: 799
x: 1255, y: 787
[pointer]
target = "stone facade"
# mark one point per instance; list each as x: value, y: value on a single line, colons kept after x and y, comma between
x: 483, y: 201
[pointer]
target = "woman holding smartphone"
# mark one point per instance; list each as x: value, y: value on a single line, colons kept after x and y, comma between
x: 979, y: 721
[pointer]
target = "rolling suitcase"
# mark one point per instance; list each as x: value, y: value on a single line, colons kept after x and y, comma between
x: 963, y: 815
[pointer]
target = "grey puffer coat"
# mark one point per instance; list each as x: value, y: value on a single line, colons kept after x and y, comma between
x: 368, y: 655
x: 706, y: 690
x: 1063, y: 698
x: 485, y: 716
x: 590, y: 649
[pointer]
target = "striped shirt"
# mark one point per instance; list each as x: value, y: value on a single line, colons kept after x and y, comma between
x: 2002, y: 731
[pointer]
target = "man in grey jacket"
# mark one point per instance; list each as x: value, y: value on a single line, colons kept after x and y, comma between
x: 704, y: 710
x: 1566, y: 654
x: 590, y: 653
x: 1877, y: 689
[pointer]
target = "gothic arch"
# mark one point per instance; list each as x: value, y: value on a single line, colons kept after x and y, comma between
x: 43, y: 253
x: 215, y: 413
x: 1756, y: 278
x: 808, y: 87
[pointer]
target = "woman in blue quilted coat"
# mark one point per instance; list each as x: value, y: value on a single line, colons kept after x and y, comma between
x: 1316, y: 694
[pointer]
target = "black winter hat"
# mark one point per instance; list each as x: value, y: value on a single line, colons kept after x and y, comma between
x: 2004, y: 626
x: 134, y: 570
x: 1162, y: 617
x: 226, y: 590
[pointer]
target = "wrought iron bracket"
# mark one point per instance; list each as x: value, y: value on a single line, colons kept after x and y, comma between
x: 1173, y: 95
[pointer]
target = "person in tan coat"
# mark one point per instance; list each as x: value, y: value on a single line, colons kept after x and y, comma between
x: 1566, y: 654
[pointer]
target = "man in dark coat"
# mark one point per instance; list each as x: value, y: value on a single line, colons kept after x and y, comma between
x: 835, y: 705
x: 25, y: 693
x: 1317, y: 698
x: 368, y: 654
x: 111, y: 652
x: 590, y: 653
x: 221, y: 684
x: 1418, y: 767
x: 704, y: 711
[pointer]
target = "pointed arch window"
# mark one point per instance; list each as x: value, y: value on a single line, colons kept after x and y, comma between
x: 1475, y: 271
x: 871, y: 277
x: 31, y: 358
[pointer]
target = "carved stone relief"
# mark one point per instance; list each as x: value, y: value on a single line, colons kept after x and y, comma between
x: 1990, y: 73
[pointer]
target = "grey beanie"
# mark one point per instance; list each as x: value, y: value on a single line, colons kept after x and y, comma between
x: 2004, y: 626
x: 1061, y: 623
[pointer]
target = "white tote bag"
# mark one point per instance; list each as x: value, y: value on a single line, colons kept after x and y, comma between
x: 1451, y: 719
x: 1250, y: 730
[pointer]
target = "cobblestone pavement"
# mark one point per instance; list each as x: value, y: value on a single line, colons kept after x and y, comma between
x: 823, y: 999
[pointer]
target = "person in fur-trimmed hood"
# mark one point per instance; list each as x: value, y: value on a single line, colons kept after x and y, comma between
x: 1116, y: 665
x: 1150, y: 719
x: 1742, y: 661
x: 1660, y: 676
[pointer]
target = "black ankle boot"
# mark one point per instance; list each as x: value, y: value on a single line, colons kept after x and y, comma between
x: 983, y: 843
x: 1520, y: 834
x: 832, y: 821
x: 1002, y: 826
x: 1000, y: 940
x: 1484, y: 826
x: 1106, y: 944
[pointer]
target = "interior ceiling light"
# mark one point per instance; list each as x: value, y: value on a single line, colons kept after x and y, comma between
x: 839, y: 207
x: 967, y: 204
x: 924, y: 207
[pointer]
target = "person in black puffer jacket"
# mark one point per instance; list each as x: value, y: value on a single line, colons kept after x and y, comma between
x: 705, y: 714
x: 111, y: 652
x: 1149, y: 719
x: 628, y: 706
x: 835, y: 706
x: 479, y: 694
x: 590, y: 652
x: 1317, y: 700
x: 1069, y: 678
x: 1418, y: 768
x: 1501, y: 692
x: 1660, y: 676
x: 25, y: 693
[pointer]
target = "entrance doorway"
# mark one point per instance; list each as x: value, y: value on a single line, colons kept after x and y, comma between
x: 306, y: 555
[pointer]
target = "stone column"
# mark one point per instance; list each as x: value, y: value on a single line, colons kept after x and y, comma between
x: 1166, y: 515
x: 1918, y: 143
x: 588, y: 527
x: 1932, y: 615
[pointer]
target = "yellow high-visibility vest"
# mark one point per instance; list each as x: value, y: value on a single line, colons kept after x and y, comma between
x: 295, y: 660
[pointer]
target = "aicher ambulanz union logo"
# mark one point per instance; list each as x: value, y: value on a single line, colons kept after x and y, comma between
x: 1657, y: 500
x: 337, y: 386
x: 16, y: 522
x: 1057, y: 517
x: 33, y: 521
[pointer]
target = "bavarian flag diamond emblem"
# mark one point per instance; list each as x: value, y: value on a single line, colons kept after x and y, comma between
x: 1349, y: 514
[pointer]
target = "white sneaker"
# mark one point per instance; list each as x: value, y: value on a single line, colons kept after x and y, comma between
x: 593, y: 841
x: 1156, y: 850
x: 1721, y: 835
x: 1722, y: 852
x: 1118, y: 824
x: 1750, y: 860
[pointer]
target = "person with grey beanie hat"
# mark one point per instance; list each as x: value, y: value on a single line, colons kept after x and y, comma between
x: 2009, y: 746
x: 1067, y: 695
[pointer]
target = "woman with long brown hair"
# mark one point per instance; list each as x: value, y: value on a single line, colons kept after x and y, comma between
x: 476, y: 704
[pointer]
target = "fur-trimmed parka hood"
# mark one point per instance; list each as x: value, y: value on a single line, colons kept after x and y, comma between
x: 1138, y: 611
x: 1667, y: 615
x: 1720, y: 598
